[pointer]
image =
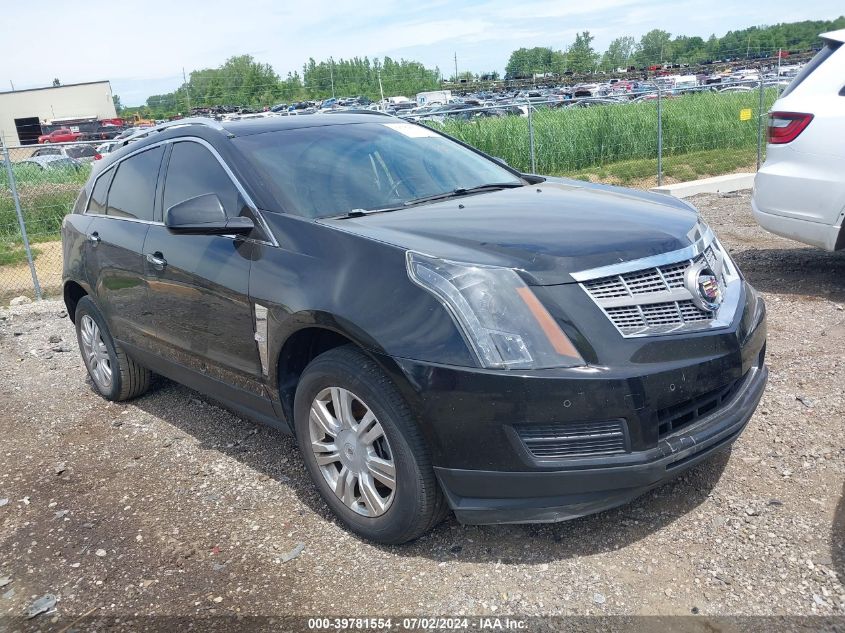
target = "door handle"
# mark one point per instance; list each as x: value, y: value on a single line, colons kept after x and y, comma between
x: 94, y: 237
x: 156, y: 260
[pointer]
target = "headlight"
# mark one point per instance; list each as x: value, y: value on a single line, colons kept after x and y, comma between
x: 503, y: 322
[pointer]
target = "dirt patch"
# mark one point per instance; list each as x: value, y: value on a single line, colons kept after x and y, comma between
x: 17, y: 279
x: 170, y: 505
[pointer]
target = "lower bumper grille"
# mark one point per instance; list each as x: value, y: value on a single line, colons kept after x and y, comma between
x: 675, y: 418
x: 553, y: 441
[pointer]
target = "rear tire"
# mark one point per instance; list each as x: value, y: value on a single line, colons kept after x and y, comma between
x: 394, y: 497
x: 115, y: 376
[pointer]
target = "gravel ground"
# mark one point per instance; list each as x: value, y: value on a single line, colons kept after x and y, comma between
x: 171, y: 505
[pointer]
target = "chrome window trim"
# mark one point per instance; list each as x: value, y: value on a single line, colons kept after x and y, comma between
x: 653, y: 261
x: 114, y: 165
x: 193, y: 139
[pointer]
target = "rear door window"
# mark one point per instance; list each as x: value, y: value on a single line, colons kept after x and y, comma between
x: 194, y: 171
x: 133, y: 189
x: 97, y: 203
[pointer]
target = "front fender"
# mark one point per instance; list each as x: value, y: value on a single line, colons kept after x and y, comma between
x: 358, y: 287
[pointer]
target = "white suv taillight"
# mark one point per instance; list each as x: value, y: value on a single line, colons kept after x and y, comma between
x: 785, y: 127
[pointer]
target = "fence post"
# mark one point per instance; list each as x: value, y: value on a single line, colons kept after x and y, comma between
x: 659, y: 137
x: 14, y: 189
x: 531, y: 137
x: 760, y: 123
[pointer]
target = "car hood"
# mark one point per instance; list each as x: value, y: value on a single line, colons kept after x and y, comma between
x: 547, y: 231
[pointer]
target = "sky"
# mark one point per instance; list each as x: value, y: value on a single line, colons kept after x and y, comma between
x: 143, y: 48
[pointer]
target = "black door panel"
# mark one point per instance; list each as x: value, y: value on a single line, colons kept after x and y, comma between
x: 200, y: 305
x: 116, y: 273
x: 199, y: 284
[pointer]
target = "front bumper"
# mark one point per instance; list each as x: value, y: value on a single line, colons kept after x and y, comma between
x: 475, y: 421
x: 479, y: 497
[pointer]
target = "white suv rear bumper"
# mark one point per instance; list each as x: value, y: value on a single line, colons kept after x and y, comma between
x: 813, y: 233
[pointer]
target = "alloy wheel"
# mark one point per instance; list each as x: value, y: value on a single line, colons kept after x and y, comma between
x: 95, y: 352
x: 352, y: 451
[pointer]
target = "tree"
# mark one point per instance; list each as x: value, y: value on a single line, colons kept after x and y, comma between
x: 619, y: 53
x: 117, y: 105
x: 465, y: 76
x: 580, y: 56
x: 526, y: 62
x: 689, y: 50
x: 56, y: 83
x: 655, y: 47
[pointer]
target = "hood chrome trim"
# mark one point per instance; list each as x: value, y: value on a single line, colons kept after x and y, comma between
x: 653, y: 261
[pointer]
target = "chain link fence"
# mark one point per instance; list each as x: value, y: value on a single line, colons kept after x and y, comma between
x: 639, y: 139
x: 38, y: 186
x: 642, y: 140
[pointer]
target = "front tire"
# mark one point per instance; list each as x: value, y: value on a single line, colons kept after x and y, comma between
x: 363, y: 450
x: 115, y: 376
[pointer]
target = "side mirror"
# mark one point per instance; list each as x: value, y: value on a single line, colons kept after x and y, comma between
x: 204, y: 215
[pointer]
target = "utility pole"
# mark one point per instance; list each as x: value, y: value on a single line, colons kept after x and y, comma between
x: 456, y: 67
x: 331, y: 73
x: 381, y: 89
x: 187, y: 91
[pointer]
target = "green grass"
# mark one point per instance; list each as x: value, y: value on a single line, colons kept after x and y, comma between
x: 13, y: 253
x: 679, y: 167
x: 571, y: 140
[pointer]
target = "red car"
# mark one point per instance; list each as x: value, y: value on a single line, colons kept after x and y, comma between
x: 62, y: 135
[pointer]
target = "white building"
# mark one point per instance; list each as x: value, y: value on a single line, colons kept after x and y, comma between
x: 23, y: 112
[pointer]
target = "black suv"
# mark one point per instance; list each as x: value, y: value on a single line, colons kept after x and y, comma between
x: 438, y: 330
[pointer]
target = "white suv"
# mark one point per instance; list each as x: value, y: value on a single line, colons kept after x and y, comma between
x: 800, y: 190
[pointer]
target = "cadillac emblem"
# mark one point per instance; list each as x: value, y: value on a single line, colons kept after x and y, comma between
x: 704, y: 287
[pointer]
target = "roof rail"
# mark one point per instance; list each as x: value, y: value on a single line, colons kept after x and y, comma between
x: 193, y: 120
x: 144, y: 132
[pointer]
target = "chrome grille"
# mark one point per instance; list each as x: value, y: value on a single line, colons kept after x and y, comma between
x: 673, y: 274
x: 654, y: 300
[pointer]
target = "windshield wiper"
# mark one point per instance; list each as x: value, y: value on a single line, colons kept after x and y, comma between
x: 455, y: 193
x: 464, y: 191
x: 359, y: 213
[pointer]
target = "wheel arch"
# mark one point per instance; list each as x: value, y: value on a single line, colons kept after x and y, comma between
x: 839, y: 245
x: 72, y: 293
x: 310, y: 340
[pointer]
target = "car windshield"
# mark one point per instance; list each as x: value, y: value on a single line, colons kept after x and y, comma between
x: 332, y: 170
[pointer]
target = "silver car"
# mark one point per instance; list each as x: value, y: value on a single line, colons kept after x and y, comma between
x: 52, y: 162
x: 81, y: 153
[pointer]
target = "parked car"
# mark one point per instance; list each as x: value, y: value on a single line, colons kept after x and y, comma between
x: 102, y: 133
x: 105, y: 148
x: 437, y: 330
x: 82, y: 153
x: 799, y: 192
x: 52, y: 162
x: 62, y: 135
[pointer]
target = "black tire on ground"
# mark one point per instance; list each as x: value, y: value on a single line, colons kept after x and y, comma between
x: 418, y: 503
x: 129, y: 379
